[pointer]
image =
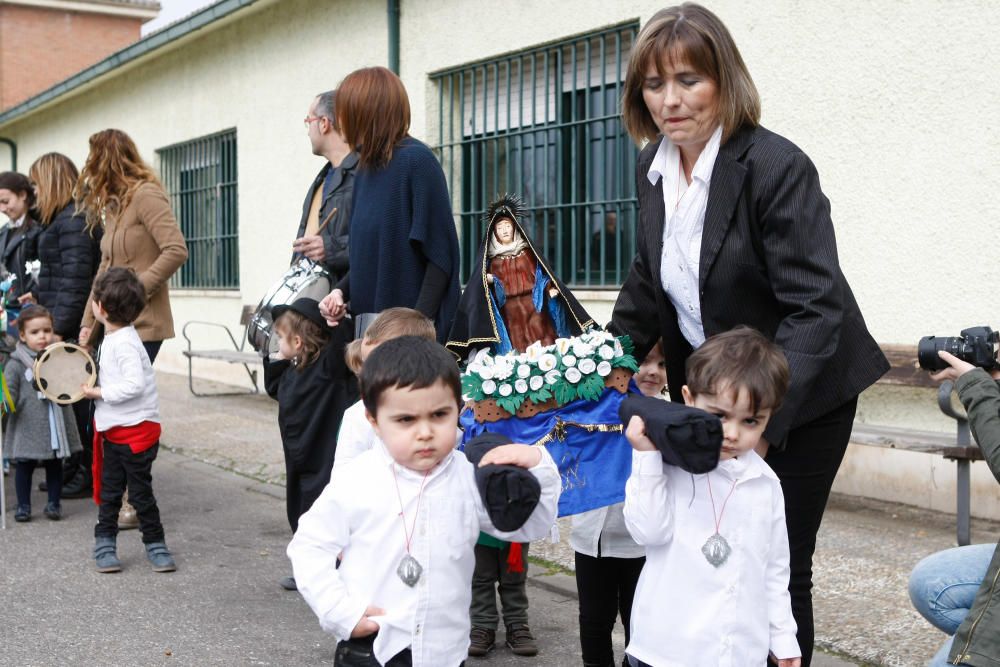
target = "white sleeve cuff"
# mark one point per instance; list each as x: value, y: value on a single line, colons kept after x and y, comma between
x: 647, y: 464
x: 785, y: 646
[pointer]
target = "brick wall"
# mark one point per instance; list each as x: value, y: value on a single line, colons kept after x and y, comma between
x: 40, y: 47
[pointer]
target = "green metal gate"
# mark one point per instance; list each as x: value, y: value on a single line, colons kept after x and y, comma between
x: 544, y: 123
x: 201, y: 180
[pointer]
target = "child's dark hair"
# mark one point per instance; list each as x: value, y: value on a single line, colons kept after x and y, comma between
x: 32, y: 312
x: 390, y: 323
x: 120, y: 294
x: 407, y: 362
x: 740, y: 359
x: 313, y: 336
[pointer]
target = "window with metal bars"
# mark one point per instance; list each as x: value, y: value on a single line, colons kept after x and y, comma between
x: 200, y: 178
x: 544, y: 123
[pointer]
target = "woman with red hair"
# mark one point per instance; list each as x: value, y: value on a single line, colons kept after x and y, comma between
x: 403, y: 245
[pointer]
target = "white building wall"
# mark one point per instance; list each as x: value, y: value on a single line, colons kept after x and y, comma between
x: 896, y: 103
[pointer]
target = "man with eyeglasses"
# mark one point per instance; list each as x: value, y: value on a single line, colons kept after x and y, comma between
x: 326, y: 212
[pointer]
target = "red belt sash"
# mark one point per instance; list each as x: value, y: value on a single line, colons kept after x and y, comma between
x: 139, y: 438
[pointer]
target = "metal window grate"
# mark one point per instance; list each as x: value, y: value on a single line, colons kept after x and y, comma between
x: 544, y: 123
x: 200, y: 178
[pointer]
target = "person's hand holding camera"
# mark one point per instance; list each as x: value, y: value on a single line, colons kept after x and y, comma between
x: 956, y: 368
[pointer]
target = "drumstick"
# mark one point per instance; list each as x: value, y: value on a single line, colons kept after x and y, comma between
x: 326, y: 222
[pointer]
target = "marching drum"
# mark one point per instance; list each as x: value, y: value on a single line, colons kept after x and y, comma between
x: 304, y: 279
x: 60, y: 371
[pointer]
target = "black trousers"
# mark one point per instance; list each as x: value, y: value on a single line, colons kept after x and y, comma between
x: 806, y: 468
x: 606, y: 588
x: 359, y: 653
x: 122, y: 467
x: 301, y: 491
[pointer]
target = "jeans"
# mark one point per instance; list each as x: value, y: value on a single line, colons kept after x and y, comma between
x: 121, y: 465
x: 806, y: 468
x: 606, y: 589
x: 492, y: 576
x: 943, y: 587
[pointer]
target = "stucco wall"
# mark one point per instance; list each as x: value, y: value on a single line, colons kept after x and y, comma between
x: 896, y: 103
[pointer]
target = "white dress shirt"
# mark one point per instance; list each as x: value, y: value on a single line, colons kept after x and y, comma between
x: 686, y: 612
x: 357, y: 435
x: 358, y: 514
x: 127, y: 380
x: 602, y: 533
x: 684, y: 215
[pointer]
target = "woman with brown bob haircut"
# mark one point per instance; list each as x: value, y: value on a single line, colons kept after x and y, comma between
x: 734, y: 229
x: 403, y: 248
x: 18, y: 243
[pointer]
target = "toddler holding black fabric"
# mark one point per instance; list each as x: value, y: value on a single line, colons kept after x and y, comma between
x: 38, y: 431
x: 404, y: 518
x: 126, y: 421
x: 714, y: 590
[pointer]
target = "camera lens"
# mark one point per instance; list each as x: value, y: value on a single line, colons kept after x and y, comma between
x: 927, y: 351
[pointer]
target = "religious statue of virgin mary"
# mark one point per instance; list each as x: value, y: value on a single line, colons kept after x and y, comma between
x: 512, y: 299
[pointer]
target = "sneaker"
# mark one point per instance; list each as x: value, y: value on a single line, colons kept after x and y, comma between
x: 161, y: 559
x: 22, y: 514
x: 106, y: 555
x: 78, y: 487
x: 127, y: 517
x: 483, y: 640
x: 520, y: 640
x: 53, y: 511
x: 288, y: 583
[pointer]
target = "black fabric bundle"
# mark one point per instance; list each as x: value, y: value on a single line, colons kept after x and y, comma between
x: 510, y: 493
x: 687, y: 437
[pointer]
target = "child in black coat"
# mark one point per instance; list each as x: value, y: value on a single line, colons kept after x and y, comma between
x: 313, y: 386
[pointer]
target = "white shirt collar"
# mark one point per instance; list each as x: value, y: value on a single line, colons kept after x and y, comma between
x: 666, y: 160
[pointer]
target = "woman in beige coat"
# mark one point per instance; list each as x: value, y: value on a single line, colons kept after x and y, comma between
x: 118, y: 191
x: 121, y: 193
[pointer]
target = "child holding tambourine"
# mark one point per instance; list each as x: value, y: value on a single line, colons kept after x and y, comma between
x: 38, y: 431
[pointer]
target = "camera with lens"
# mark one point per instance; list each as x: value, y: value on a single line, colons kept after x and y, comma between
x: 977, y: 346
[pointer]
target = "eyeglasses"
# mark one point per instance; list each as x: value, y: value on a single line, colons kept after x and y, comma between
x: 310, y: 119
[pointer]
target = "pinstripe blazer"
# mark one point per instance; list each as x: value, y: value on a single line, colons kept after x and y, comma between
x: 768, y: 260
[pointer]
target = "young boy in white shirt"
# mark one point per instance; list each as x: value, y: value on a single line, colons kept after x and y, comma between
x: 404, y: 519
x: 127, y: 420
x: 714, y: 589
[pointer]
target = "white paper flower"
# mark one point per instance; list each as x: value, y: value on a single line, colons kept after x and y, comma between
x: 480, y: 356
x: 587, y: 366
x: 486, y: 372
x: 546, y: 362
x: 604, y: 369
x: 563, y: 345
x: 521, y: 386
x: 552, y: 376
x: 534, y: 351
x: 523, y: 371
x: 489, y: 387
x: 619, y: 351
x: 606, y: 352
x: 573, y: 375
x: 502, y: 369
x: 581, y: 349
x: 506, y: 389
x: 569, y: 360
x: 473, y: 369
x: 536, y: 382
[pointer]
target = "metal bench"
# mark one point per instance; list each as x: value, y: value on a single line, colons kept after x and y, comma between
x: 236, y: 355
x: 959, y: 448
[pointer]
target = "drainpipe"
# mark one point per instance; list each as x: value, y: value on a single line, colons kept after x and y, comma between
x: 13, y: 152
x: 393, y: 10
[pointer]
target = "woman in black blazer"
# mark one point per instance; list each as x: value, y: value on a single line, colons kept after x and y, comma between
x: 734, y: 229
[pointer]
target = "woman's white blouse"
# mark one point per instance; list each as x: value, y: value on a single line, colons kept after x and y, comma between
x: 684, y: 208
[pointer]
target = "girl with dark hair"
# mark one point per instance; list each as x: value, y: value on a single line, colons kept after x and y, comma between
x: 404, y: 248
x: 18, y: 242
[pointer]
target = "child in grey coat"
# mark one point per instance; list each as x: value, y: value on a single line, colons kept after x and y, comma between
x: 36, y: 430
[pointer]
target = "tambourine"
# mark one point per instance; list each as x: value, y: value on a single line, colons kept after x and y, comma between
x: 61, y: 370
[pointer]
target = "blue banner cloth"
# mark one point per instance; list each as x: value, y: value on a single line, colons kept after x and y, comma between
x: 593, y: 464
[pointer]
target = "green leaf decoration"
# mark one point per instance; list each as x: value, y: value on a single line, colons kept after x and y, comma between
x: 472, y: 386
x: 627, y: 361
x: 511, y: 403
x: 627, y: 344
x: 591, y: 387
x: 565, y: 392
x: 540, y: 396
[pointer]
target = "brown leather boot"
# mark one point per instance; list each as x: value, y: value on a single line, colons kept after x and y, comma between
x: 483, y: 640
x: 520, y: 640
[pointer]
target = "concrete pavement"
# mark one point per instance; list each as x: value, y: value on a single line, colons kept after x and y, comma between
x: 219, y: 487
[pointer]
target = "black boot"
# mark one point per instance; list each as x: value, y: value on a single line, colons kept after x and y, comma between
x: 80, y: 486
